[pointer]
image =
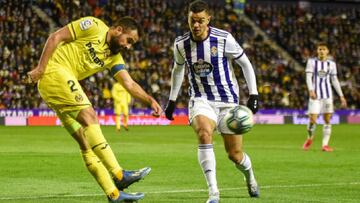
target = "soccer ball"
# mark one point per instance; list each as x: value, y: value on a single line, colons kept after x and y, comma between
x: 239, y: 119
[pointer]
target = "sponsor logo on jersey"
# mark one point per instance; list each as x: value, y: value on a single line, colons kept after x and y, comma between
x: 85, y: 24
x: 322, y: 73
x: 93, y: 55
x: 202, y: 68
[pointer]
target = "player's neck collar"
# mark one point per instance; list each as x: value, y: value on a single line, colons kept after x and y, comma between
x: 324, y: 59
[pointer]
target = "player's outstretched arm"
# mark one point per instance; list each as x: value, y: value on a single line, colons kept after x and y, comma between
x: 136, y: 91
x: 54, y: 39
x: 177, y: 77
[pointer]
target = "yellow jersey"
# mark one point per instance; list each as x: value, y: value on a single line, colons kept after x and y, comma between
x: 88, y: 53
x: 119, y: 94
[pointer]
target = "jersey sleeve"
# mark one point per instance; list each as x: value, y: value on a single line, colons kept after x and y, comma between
x: 333, y: 70
x: 178, y: 58
x: 117, y: 64
x: 309, y: 67
x: 232, y: 48
x: 84, y: 27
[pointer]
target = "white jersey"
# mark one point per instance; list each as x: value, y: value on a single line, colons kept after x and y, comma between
x: 321, y: 72
x: 210, y: 74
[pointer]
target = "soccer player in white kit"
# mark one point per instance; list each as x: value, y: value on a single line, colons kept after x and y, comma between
x: 208, y: 53
x: 319, y: 72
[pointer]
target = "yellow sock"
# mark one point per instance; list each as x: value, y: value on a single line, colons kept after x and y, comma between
x: 126, y: 119
x: 102, y: 149
x: 114, y: 195
x: 117, y: 122
x: 102, y: 176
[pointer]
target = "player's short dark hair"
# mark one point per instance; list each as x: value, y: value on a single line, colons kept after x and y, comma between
x: 198, y: 6
x: 321, y: 44
x: 129, y: 23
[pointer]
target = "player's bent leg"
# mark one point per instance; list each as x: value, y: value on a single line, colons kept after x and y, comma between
x: 99, y: 145
x: 102, y: 176
x: 92, y: 163
x: 204, y: 127
x: 233, y: 146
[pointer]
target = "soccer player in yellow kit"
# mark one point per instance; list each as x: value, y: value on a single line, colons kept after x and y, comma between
x: 122, y: 99
x: 72, y: 53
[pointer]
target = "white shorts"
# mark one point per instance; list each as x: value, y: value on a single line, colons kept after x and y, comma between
x: 319, y: 106
x: 212, y: 109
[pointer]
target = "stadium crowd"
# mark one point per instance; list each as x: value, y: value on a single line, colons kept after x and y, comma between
x: 298, y: 27
x: 23, y: 34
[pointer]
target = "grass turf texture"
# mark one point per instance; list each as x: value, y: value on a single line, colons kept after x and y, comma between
x: 43, y: 164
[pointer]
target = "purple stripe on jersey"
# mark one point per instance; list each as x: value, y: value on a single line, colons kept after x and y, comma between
x: 321, y: 81
x: 216, y: 74
x: 228, y: 80
x: 328, y: 86
x: 315, y: 78
x: 204, y: 81
x: 187, y: 48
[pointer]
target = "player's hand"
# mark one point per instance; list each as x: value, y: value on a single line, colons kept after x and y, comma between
x: 169, y: 110
x: 33, y: 76
x: 253, y: 103
x: 312, y: 94
x: 157, y: 110
x: 343, y: 102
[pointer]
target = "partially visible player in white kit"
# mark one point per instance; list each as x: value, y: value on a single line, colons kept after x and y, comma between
x: 319, y: 72
x: 208, y: 53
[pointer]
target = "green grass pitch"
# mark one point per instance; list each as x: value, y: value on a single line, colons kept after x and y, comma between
x: 43, y: 164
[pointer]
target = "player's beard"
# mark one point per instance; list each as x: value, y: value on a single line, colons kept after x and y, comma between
x: 115, y: 47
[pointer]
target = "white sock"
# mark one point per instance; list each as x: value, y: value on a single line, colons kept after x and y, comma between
x: 246, y: 169
x: 311, y: 129
x: 206, y: 157
x: 326, y: 134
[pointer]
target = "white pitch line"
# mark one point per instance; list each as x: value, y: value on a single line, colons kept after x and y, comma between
x: 184, y: 191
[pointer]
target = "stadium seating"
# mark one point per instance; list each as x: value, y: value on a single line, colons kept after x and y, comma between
x: 23, y: 34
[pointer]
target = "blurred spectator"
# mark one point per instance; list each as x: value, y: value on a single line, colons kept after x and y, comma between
x: 295, y: 28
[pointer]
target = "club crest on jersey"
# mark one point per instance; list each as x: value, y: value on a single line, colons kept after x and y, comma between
x: 202, y: 68
x: 79, y: 98
x: 85, y: 24
x: 322, y: 73
x: 214, y: 51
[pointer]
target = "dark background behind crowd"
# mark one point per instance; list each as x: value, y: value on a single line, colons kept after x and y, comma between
x: 296, y: 27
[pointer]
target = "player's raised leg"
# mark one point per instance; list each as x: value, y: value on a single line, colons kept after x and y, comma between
x: 204, y: 127
x: 92, y: 162
x: 93, y: 134
x: 233, y: 146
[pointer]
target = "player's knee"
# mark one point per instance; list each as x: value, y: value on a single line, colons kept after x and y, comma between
x: 81, y: 140
x: 87, y: 117
x: 235, y: 155
x: 312, y: 120
x: 205, y: 136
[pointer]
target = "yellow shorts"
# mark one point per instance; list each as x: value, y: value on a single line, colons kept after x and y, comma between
x: 62, y: 92
x: 121, y: 108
